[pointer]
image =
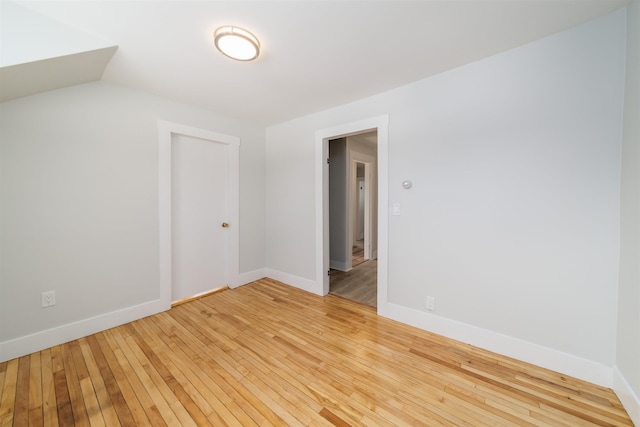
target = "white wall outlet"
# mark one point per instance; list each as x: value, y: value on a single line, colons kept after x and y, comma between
x: 48, y: 298
x: 431, y: 303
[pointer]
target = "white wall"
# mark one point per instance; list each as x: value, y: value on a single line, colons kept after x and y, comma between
x: 628, y: 344
x: 513, y: 219
x: 79, y: 203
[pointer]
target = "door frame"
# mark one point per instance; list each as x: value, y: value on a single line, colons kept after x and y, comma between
x: 368, y: 162
x: 165, y: 132
x: 322, y: 137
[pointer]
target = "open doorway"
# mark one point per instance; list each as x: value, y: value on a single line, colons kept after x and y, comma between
x: 353, y: 218
x: 322, y: 137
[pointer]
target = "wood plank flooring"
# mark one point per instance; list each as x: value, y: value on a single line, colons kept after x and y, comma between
x: 360, y: 284
x: 357, y: 256
x: 268, y: 354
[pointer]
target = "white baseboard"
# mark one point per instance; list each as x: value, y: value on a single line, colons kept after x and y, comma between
x: 538, y: 355
x: 628, y: 398
x: 295, y: 281
x: 532, y: 353
x: 61, y: 334
x: 244, y: 278
x: 339, y: 265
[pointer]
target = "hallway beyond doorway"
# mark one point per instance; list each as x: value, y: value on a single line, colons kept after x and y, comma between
x: 357, y: 255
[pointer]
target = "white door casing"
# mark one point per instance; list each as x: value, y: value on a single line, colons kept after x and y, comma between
x: 359, y: 233
x: 322, y: 137
x: 368, y: 161
x: 229, y: 146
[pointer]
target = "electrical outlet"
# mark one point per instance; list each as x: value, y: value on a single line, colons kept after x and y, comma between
x: 48, y: 298
x: 431, y: 303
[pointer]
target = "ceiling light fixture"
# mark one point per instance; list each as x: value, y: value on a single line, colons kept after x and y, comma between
x: 236, y: 43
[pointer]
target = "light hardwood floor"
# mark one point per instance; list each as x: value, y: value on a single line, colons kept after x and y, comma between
x: 268, y: 354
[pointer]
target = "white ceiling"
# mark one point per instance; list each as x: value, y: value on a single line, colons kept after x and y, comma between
x: 315, y: 54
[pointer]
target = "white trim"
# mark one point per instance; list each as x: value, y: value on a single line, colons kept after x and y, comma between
x: 535, y: 354
x: 381, y: 124
x: 165, y: 131
x: 339, y: 265
x: 322, y: 214
x: 628, y: 398
x: 382, y: 251
x: 51, y: 337
x: 248, y: 277
x: 295, y: 281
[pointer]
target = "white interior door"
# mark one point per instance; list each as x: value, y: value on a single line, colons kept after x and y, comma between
x: 199, y: 205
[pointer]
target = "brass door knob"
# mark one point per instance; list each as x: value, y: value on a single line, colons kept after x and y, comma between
x: 225, y: 225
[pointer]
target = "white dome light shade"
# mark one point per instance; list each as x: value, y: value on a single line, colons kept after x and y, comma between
x: 236, y: 43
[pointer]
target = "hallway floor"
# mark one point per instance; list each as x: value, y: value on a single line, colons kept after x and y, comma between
x: 359, y: 284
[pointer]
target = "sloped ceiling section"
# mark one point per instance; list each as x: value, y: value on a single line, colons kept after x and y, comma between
x: 38, y: 54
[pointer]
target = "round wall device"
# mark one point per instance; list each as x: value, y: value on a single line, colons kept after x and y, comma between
x: 406, y: 184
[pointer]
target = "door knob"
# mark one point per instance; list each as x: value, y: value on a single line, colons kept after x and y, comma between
x: 225, y: 225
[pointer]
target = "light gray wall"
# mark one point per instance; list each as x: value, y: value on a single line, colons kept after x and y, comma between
x: 79, y: 201
x: 290, y: 206
x: 513, y: 219
x: 628, y: 351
